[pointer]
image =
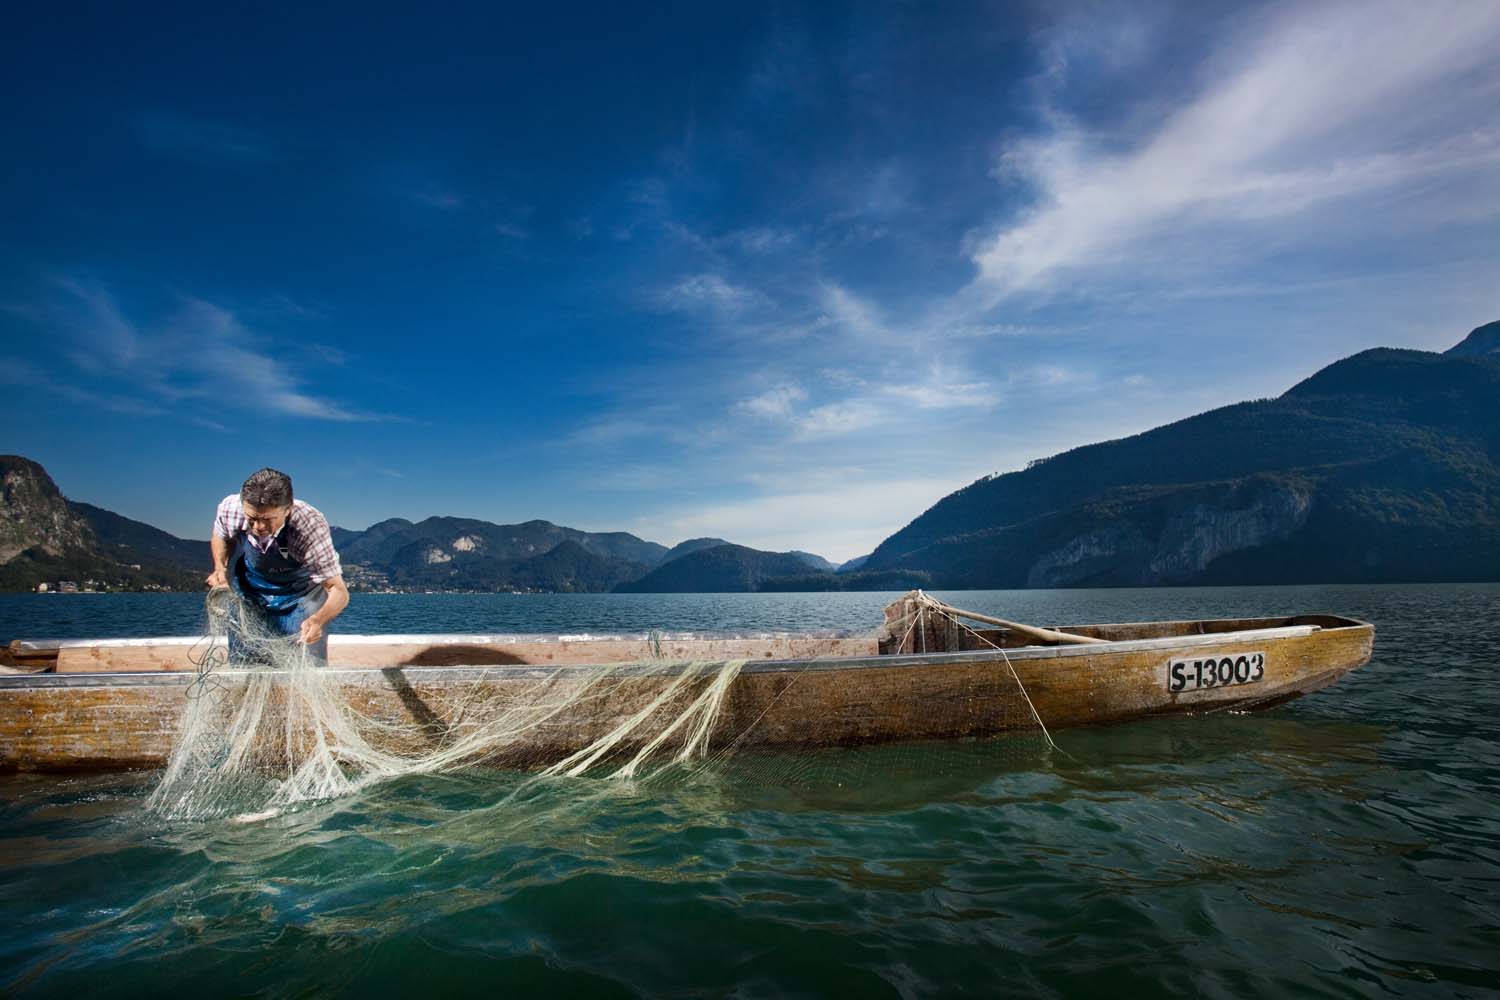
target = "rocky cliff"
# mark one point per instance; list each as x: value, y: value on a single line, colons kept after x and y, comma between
x: 47, y: 538
x: 35, y: 515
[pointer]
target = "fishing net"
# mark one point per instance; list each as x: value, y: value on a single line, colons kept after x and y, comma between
x: 278, y: 729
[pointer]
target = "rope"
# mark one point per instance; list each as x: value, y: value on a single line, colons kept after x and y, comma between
x: 942, y: 610
x: 206, y: 655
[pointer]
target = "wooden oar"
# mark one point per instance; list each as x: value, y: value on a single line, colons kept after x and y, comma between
x: 1045, y: 634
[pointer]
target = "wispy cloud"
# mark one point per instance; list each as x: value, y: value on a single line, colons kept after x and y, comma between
x: 205, y: 141
x: 857, y: 405
x: 1308, y: 106
x: 847, y: 416
x: 709, y: 292
x: 943, y: 390
x: 17, y: 372
x: 838, y: 523
x: 198, y: 359
x: 778, y: 403
x: 761, y: 240
x: 853, y: 313
x: 439, y: 198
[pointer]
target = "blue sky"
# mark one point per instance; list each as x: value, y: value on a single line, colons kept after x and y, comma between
x: 783, y: 274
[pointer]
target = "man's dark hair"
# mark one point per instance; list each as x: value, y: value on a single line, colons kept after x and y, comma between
x: 267, y: 488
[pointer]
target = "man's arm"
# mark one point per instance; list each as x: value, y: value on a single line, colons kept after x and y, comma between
x: 220, y: 576
x: 337, y: 601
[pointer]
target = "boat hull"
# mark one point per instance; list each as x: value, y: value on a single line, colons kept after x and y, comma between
x: 120, y: 720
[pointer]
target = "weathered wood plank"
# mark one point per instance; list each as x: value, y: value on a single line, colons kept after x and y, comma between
x: 81, y: 721
x: 438, y: 651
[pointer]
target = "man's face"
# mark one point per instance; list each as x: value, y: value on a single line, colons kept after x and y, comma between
x: 265, y: 520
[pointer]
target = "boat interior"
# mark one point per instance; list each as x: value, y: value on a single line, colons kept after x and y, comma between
x: 927, y: 634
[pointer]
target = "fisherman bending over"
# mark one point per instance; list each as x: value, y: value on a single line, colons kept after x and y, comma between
x: 277, y: 553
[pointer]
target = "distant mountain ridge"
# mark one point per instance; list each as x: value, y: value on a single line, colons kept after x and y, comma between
x: 690, y: 546
x: 46, y: 538
x: 718, y: 569
x: 1382, y: 466
x: 438, y: 540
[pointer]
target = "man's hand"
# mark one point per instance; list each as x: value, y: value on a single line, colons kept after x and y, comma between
x: 311, y: 631
x: 218, y: 578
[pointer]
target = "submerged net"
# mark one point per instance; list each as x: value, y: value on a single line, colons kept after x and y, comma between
x: 263, y: 737
x: 280, y: 732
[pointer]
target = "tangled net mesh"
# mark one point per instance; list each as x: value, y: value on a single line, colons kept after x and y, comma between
x: 278, y: 729
x: 281, y: 731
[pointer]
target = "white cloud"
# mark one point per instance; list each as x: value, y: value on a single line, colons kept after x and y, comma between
x: 944, y: 390
x: 1049, y: 376
x: 760, y: 239
x: 1319, y: 103
x: 773, y: 404
x: 838, y: 523
x: 852, y: 313
x: 709, y: 292
x: 844, y: 417
x: 888, y: 401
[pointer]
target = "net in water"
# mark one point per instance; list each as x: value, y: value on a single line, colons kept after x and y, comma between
x: 278, y: 729
x: 262, y: 737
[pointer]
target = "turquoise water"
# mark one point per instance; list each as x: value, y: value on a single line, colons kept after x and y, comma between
x: 1346, y: 844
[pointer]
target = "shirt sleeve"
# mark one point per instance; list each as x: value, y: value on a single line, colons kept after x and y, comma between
x: 227, y: 517
x: 316, y: 542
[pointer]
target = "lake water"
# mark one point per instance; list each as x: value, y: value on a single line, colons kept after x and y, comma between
x: 1345, y: 844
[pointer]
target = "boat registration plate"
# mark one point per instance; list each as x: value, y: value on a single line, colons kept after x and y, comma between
x: 1199, y: 672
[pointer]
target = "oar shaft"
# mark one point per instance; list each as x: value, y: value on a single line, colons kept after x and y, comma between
x: 1045, y: 634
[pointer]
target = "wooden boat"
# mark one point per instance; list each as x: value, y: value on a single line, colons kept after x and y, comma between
x: 926, y: 675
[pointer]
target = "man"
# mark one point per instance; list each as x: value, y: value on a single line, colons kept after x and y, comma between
x: 277, y: 553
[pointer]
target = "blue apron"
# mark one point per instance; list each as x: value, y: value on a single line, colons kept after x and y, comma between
x: 277, y: 590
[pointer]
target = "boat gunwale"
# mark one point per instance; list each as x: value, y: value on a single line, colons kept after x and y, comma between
x: 438, y: 639
x: 369, y: 675
x: 702, y: 635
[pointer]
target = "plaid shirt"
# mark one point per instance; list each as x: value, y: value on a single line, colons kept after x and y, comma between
x: 312, y: 542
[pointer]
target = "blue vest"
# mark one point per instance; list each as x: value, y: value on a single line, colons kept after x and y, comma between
x: 272, y: 580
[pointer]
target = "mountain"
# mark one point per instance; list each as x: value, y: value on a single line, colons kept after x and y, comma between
x: 879, y: 579
x: 565, y: 568
x: 145, y: 544
x: 44, y: 537
x: 1384, y: 466
x: 358, y: 542
x: 35, y: 515
x: 1482, y: 342
x: 47, y: 538
x: 814, y: 562
x: 1380, y: 467
x: 717, y: 569
x: 810, y: 561
x: 440, y: 539
x: 690, y: 546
